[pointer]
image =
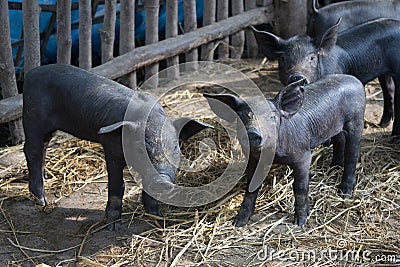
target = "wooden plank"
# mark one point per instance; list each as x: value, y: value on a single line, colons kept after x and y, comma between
x: 10, y: 108
x: 222, y: 14
x: 152, y: 53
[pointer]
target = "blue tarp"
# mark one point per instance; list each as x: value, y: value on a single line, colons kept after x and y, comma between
x: 50, y: 53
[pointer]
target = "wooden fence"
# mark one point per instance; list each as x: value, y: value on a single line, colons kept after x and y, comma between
x: 222, y: 35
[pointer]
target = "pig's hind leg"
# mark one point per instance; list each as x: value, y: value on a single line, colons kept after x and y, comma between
x: 388, y: 88
x: 339, y: 142
x: 35, y: 153
x: 116, y: 187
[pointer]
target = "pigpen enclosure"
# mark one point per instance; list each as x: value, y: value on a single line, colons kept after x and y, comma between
x: 71, y: 230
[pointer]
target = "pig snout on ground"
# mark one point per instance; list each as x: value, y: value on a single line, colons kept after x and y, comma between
x: 91, y: 107
x: 331, y: 108
x: 366, y: 51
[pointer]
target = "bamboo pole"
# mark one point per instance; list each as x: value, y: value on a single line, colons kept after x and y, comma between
x: 207, y: 50
x: 152, y: 8
x: 64, y: 40
x: 107, y: 33
x: 127, y: 36
x: 171, y: 30
x: 8, y: 82
x: 222, y: 13
x: 190, y: 22
x: 85, y: 34
x: 237, y: 38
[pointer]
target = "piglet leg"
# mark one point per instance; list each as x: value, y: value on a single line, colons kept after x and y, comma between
x: 352, y: 151
x: 388, y: 88
x: 35, y: 153
x: 249, y: 201
x: 115, y: 165
x: 301, y: 171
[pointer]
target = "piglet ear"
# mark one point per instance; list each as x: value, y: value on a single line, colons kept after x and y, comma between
x: 224, y: 106
x: 290, y: 99
x: 268, y: 43
x: 187, y: 127
x: 328, y: 39
x: 110, y: 128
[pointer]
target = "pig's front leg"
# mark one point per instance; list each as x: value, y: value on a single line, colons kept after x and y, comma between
x: 249, y: 200
x: 301, y: 170
x: 352, y: 152
x: 115, y: 165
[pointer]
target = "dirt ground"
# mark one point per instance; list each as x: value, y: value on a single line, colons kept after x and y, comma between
x: 70, y: 231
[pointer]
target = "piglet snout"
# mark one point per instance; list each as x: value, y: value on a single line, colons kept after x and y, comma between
x: 297, y: 77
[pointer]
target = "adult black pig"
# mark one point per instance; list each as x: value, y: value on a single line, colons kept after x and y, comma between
x: 354, y: 13
x: 366, y: 51
x: 332, y: 107
x: 91, y: 107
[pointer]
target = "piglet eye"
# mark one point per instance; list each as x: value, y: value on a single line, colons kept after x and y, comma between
x: 313, y: 58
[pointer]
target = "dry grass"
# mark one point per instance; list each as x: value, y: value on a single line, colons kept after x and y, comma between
x: 367, y: 223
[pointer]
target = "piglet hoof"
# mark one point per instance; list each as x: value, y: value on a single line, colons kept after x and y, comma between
x: 302, y: 210
x: 42, y: 201
x: 346, y: 190
x: 385, y: 121
x: 38, y: 194
x: 300, y: 219
x: 113, y: 225
x: 153, y: 210
x: 396, y: 139
x: 242, y: 218
x: 113, y: 212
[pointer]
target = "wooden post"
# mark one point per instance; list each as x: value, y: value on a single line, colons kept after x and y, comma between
x: 290, y: 17
x: 207, y: 50
x: 237, y: 38
x: 8, y: 82
x: 127, y: 36
x: 107, y: 34
x: 85, y: 34
x: 31, y: 13
x: 222, y: 13
x: 64, y: 40
x: 171, y: 30
x: 251, y: 47
x: 152, y: 8
x: 190, y: 25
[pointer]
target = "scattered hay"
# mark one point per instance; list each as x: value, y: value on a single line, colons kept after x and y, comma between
x: 360, y: 231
